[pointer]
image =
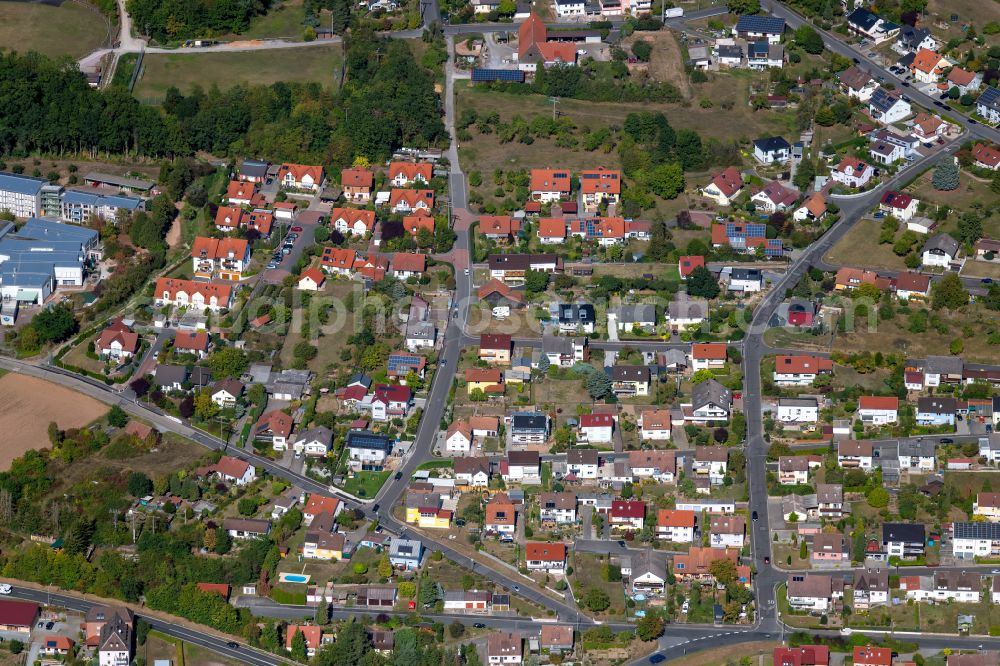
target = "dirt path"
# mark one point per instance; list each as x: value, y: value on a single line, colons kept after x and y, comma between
x: 174, y: 235
x: 45, y: 402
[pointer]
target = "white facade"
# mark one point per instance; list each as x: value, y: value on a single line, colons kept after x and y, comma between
x: 794, y: 411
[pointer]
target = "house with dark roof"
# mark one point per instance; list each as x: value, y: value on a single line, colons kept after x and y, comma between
x: 868, y: 24
x: 939, y: 250
x: 772, y: 149
x: 888, y: 107
x: 988, y: 105
x: 754, y: 27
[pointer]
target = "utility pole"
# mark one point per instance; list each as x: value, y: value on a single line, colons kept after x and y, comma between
x: 554, y: 100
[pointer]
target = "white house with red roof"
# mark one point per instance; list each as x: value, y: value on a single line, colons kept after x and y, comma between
x: 408, y: 264
x: 312, y: 634
x: 229, y: 218
x: 853, y: 172
x: 687, y: 263
x: 655, y: 424
x: 901, y: 206
x: 598, y: 185
x: 986, y: 157
x: 242, y: 193
x: 389, y: 402
x: 311, y: 279
x: 300, y: 176
x: 774, y: 197
x: 225, y: 258
x: 410, y: 201
x: 876, y: 410
x: 549, y: 185
x: 725, y: 186
x: 117, y: 341
x: 709, y: 355
x: 799, y: 369
x: 233, y: 470
x: 627, y: 515
x: 551, y: 230
x: 596, y: 428
x: 676, y: 525
x: 188, y: 293
x: 192, y: 342
x: 402, y: 174
x: 352, y: 221
x: 967, y: 82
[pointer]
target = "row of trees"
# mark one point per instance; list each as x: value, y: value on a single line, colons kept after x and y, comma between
x: 388, y: 100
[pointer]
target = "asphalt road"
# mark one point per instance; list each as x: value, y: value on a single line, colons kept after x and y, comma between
x: 833, y: 42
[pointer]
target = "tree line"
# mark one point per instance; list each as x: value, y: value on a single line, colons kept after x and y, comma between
x: 387, y: 100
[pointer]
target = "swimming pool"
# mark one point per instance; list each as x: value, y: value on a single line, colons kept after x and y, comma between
x: 293, y: 578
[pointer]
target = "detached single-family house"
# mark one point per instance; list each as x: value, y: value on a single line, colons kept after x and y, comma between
x: 939, y: 250
x: 911, y: 39
x: 655, y: 425
x: 772, y: 149
x: 117, y: 342
x: 710, y: 401
x: 888, y: 107
x: 631, y: 317
x: 988, y: 105
x: 936, y: 410
x: 928, y: 65
x: 274, y: 427
x: 630, y: 380
x: 503, y: 648
x: 547, y: 557
x: 368, y: 450
x: 753, y: 27
x: 627, y: 515
x: 595, y: 428
x: 300, y: 177
x: 853, y: 172
x: 774, y: 197
x: 529, y: 428
x: 402, y: 174
x: 878, y: 410
x: 800, y: 369
x: 725, y: 186
x: 901, y: 206
x: 521, y: 467
x: 352, y: 221
x: 314, y: 442
x: 357, y: 185
x: 986, y: 157
x: 812, y: 209
x: 857, y: 83
x: 903, y: 540
x: 813, y: 592
x: 727, y: 531
x: 967, y: 82
x: 910, y: 285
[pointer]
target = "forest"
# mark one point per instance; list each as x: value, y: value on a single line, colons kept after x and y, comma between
x: 387, y: 100
x: 166, y: 20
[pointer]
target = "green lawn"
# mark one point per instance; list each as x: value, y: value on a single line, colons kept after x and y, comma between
x: 69, y: 29
x: 284, y: 19
x: 160, y: 71
x: 365, y: 484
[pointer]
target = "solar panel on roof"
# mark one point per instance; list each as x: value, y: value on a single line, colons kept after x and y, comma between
x: 762, y: 24
x: 513, y: 75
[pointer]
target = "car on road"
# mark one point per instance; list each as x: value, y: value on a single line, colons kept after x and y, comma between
x: 871, y: 54
x: 297, y: 230
x: 517, y: 588
x: 375, y: 508
x: 399, y: 475
x: 621, y: 543
x: 856, y: 61
x: 906, y: 84
x: 946, y: 440
x: 767, y: 559
x: 466, y: 271
x: 987, y: 280
x: 657, y: 658
x: 271, y: 266
x: 478, y: 625
x: 5, y: 588
x: 940, y: 104
x: 754, y: 515
x: 972, y: 121
x: 995, y: 571
x: 232, y: 644
x: 49, y: 625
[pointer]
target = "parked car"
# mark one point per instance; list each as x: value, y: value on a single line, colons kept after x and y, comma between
x: 297, y: 229
x: 5, y: 588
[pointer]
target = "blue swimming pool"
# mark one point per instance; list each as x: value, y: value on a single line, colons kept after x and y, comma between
x: 293, y: 578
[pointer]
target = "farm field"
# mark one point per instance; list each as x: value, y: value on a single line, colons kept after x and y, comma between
x: 43, y: 28
x: 47, y: 402
x: 185, y: 70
